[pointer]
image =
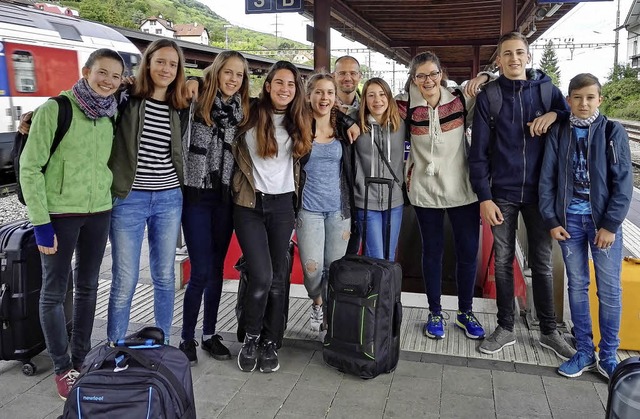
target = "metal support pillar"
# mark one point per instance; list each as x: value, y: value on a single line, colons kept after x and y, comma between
x: 322, y: 35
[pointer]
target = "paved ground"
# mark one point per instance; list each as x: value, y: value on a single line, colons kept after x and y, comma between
x: 454, y: 387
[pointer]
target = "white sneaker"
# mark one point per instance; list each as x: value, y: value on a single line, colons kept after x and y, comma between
x: 317, y: 317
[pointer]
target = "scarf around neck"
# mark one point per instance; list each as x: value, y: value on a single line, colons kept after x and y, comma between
x: 92, y: 104
x: 583, y: 123
x: 209, y: 160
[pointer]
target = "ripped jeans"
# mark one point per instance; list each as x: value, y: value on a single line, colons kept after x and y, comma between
x: 322, y: 238
x: 608, y: 265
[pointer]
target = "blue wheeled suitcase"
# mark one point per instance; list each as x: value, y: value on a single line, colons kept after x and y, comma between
x: 624, y: 390
x: 138, y: 378
x: 363, y: 309
x: 21, y: 335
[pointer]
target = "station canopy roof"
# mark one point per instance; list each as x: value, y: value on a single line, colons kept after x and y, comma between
x: 462, y: 33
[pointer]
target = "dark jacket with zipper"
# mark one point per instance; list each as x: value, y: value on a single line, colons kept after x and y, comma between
x: 508, y: 166
x: 610, y: 174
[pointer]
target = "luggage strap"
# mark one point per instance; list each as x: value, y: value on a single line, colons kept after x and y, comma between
x: 359, y: 301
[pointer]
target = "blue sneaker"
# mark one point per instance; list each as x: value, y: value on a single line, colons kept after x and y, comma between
x: 471, y: 326
x: 606, y: 367
x: 578, y: 364
x: 434, y: 328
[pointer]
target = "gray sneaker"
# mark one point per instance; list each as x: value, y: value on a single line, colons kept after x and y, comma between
x: 555, y: 342
x: 497, y: 340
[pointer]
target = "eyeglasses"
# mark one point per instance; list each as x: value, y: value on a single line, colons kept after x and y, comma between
x: 423, y: 77
x: 353, y: 74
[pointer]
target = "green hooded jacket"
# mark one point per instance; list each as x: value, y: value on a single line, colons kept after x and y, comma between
x: 77, y: 179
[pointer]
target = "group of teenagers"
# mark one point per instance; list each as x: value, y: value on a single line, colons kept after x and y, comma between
x: 143, y: 156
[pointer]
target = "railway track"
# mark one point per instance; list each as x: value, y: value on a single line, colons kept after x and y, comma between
x: 633, y: 131
x: 8, y: 189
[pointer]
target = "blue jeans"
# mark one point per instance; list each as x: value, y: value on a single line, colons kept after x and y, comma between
x: 207, y: 225
x: 465, y: 223
x: 504, y: 244
x: 376, y: 225
x: 263, y: 233
x: 608, y: 265
x: 322, y: 238
x: 87, y: 235
x: 160, y: 212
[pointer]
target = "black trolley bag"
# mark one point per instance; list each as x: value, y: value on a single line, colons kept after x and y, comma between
x: 21, y: 335
x: 624, y: 390
x: 241, y: 266
x: 140, y: 377
x: 363, y: 307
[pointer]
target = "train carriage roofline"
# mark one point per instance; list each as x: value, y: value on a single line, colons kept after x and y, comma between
x: 31, y: 25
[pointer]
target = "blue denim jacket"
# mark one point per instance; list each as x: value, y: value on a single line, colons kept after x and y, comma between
x: 610, y: 174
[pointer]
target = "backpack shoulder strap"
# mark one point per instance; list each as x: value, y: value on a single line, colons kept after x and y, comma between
x: 494, y: 95
x: 546, y: 93
x: 407, y: 119
x: 457, y: 92
x: 64, y: 122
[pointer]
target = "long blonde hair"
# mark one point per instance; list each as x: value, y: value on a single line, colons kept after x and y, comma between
x: 390, y: 116
x: 210, y: 85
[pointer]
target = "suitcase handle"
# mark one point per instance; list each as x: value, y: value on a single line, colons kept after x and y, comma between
x: 387, y: 229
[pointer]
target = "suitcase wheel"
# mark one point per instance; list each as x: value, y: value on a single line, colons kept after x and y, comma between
x: 29, y: 369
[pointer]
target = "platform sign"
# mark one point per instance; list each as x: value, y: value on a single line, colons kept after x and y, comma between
x: 272, y: 6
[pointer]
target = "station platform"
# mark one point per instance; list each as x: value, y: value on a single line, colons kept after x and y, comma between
x: 448, y: 378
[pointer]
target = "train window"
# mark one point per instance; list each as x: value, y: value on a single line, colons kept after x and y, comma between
x: 24, y: 71
x: 67, y: 31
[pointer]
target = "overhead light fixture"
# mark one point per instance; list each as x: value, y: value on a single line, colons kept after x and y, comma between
x: 532, y: 30
x: 553, y: 9
x: 541, y: 13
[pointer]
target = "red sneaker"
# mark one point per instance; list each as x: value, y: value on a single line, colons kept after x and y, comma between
x: 65, y: 381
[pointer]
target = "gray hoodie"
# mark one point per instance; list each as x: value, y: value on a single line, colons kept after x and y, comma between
x: 368, y: 162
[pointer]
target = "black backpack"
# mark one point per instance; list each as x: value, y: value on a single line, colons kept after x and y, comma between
x: 64, y: 122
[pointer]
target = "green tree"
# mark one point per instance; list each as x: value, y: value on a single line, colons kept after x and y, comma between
x: 549, y: 63
x: 619, y: 72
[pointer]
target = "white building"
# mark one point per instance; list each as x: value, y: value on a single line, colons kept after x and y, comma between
x: 158, y: 26
x: 632, y: 25
x: 192, y: 32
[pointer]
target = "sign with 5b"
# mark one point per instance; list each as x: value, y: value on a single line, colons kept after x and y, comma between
x: 272, y: 6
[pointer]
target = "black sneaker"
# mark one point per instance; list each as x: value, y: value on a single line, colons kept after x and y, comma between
x: 215, y: 348
x: 189, y: 349
x: 248, y: 355
x: 269, y: 357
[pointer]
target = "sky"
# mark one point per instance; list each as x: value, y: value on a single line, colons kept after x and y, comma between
x: 589, y: 22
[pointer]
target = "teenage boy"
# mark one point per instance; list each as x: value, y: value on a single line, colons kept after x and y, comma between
x: 586, y: 186
x: 504, y: 169
x: 347, y: 75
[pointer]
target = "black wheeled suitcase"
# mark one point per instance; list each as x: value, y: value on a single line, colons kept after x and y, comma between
x: 363, y: 309
x: 241, y: 266
x: 624, y: 390
x: 139, y: 378
x: 21, y: 336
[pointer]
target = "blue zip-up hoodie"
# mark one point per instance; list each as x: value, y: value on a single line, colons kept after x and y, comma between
x: 509, y: 166
x: 610, y: 175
